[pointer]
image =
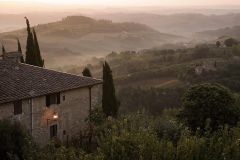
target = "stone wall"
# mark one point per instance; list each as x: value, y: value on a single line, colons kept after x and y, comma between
x: 71, y: 113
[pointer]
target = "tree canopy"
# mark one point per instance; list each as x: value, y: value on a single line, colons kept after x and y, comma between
x: 86, y: 72
x: 230, y: 42
x: 208, y: 102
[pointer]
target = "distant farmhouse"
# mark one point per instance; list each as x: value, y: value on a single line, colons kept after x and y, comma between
x: 49, y: 103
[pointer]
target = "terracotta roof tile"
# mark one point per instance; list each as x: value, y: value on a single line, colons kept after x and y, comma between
x: 21, y: 81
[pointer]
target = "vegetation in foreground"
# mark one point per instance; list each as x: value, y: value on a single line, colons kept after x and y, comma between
x: 141, y: 136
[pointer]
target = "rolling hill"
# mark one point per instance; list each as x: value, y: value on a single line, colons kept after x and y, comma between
x: 182, y: 23
x: 222, y: 32
x: 78, y: 35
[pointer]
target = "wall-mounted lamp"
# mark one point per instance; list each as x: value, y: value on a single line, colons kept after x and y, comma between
x: 54, y: 117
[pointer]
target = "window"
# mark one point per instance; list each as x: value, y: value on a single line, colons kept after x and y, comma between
x: 53, y: 131
x: 17, y: 107
x: 52, y: 99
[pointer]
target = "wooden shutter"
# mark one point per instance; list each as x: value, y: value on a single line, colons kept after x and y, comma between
x: 17, y: 107
x: 53, y: 131
x: 47, y: 100
x: 58, y: 98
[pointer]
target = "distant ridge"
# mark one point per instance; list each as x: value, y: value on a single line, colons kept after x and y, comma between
x: 80, y: 35
x: 180, y: 23
x: 222, y: 32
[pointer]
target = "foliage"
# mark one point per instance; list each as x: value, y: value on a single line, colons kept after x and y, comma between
x: 15, y: 141
x: 208, y: 102
x: 136, y: 137
x: 86, y: 72
x: 3, y: 49
x: 39, y: 60
x: 128, y: 138
x: 153, y: 100
x: 218, y: 44
x: 51, y: 152
x: 33, y: 55
x: 20, y: 50
x: 201, y: 51
x: 30, y: 45
x: 110, y: 103
x: 97, y: 117
x: 230, y: 42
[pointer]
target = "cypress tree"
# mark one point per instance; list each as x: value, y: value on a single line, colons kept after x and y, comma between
x: 39, y: 60
x: 20, y: 50
x: 110, y: 103
x: 3, y: 50
x: 30, y: 55
x: 86, y: 72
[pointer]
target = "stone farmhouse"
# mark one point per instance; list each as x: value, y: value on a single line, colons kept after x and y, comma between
x: 48, y: 103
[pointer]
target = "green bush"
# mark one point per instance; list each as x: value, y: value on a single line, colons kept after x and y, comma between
x: 14, y: 141
x: 208, y: 102
x: 129, y: 138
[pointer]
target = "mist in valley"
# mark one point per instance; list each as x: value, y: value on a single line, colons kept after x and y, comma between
x: 72, y: 35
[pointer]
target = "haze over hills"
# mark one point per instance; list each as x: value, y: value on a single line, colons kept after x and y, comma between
x: 233, y: 32
x: 10, y: 22
x: 76, y: 36
x: 65, y: 40
x: 182, y: 24
x: 161, y: 18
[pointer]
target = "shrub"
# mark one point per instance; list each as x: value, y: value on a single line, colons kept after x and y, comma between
x: 14, y: 140
x: 129, y: 138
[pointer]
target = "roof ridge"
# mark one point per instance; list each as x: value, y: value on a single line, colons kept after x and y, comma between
x: 59, y: 71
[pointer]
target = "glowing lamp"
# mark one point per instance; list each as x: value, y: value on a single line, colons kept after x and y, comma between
x: 55, y: 116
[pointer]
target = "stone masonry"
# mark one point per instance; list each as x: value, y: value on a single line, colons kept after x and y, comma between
x: 70, y: 114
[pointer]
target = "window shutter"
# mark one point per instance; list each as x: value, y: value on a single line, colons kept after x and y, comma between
x: 18, y: 107
x: 58, y: 98
x: 47, y: 100
x: 53, y: 131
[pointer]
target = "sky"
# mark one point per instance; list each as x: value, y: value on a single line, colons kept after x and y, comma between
x: 136, y: 2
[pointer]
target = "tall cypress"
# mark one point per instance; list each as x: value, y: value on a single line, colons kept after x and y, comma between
x: 39, y: 60
x: 110, y: 103
x: 30, y: 55
x: 3, y: 50
x: 20, y: 50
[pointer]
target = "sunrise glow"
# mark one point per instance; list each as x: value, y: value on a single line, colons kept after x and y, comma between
x: 133, y: 2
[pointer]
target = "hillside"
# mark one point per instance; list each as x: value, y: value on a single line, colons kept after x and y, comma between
x: 226, y: 32
x: 79, y: 35
x: 157, y: 78
x: 181, y: 24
